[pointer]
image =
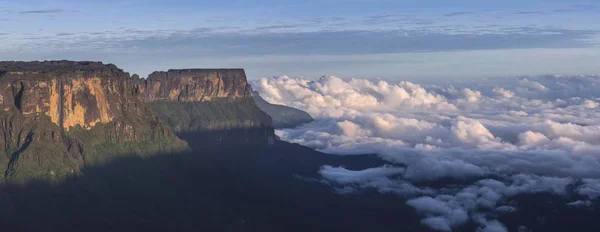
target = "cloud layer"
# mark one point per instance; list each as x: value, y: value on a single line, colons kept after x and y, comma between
x: 499, y: 137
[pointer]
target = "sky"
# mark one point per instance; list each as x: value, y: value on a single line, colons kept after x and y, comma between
x: 392, y: 39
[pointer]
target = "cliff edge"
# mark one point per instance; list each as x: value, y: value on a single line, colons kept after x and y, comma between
x: 56, y: 117
x: 214, y: 104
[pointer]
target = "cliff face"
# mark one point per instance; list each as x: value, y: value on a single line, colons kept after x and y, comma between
x: 215, y: 102
x: 71, y: 94
x: 196, y: 85
x: 56, y: 117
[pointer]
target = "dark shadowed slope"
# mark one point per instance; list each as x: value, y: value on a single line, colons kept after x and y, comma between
x: 238, y: 189
x: 283, y: 116
x: 209, y: 100
x: 228, y: 190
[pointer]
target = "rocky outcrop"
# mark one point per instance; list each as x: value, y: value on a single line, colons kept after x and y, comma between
x: 196, y: 85
x: 58, y: 116
x: 214, y: 102
x: 283, y: 116
x: 71, y: 94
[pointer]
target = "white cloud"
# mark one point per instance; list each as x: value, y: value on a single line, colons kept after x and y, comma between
x: 590, y: 104
x: 504, y: 92
x: 344, y: 176
x: 590, y: 188
x: 457, y: 206
x: 580, y: 203
x: 505, y: 136
x: 380, y: 178
x: 433, y: 169
x: 437, y: 223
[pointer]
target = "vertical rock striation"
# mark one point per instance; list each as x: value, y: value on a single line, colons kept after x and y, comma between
x: 196, y: 85
x: 215, y: 104
x: 58, y: 116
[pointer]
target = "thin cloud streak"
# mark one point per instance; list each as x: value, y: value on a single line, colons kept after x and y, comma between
x: 50, y: 11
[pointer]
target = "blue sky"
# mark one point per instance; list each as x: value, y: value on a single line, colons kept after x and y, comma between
x: 392, y: 39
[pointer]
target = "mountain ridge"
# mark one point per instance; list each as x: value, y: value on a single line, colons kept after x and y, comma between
x: 209, y: 100
x: 57, y: 117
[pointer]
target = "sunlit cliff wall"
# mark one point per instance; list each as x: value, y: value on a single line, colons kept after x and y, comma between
x: 217, y: 102
x: 58, y: 116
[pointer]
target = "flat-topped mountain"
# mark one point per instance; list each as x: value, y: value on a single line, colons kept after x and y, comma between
x: 57, y: 117
x: 58, y: 66
x: 214, y: 102
x: 196, y: 85
x: 70, y: 93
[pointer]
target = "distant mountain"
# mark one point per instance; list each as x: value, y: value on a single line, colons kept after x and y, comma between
x: 283, y: 116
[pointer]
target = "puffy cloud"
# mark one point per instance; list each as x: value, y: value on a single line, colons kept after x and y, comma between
x: 489, y: 225
x: 590, y: 188
x: 379, y: 178
x: 499, y: 137
x: 472, y: 133
x: 440, y: 216
x: 504, y: 92
x: 533, y: 85
x: 471, y: 95
x: 530, y: 138
x: 590, y: 104
x: 580, y: 203
x: 449, y: 210
x: 433, y: 169
x: 344, y: 176
x: 437, y: 223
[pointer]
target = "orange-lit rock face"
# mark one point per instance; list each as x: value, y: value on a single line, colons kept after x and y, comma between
x: 40, y: 101
x: 67, y: 101
x: 196, y: 85
x: 76, y: 94
x: 77, y: 98
x: 84, y: 103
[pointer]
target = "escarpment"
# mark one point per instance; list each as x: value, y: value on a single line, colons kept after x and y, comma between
x: 196, y: 85
x: 56, y: 117
x: 212, y: 104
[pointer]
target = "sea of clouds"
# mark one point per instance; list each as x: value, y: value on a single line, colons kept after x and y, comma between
x: 501, y: 136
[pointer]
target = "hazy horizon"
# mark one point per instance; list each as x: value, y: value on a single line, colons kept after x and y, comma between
x: 409, y: 40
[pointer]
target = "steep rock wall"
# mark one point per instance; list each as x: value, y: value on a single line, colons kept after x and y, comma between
x: 214, y: 102
x: 82, y: 112
x: 70, y: 93
x: 196, y: 85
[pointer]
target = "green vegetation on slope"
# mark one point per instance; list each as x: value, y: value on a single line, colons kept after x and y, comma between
x: 32, y: 147
x: 139, y: 135
x: 213, y: 115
